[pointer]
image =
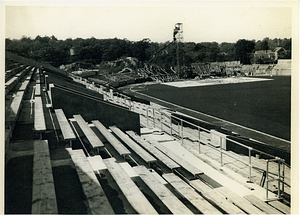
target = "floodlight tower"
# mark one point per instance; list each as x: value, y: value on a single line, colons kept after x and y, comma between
x: 178, y: 38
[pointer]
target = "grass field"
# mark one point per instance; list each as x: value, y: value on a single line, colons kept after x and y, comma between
x: 263, y: 105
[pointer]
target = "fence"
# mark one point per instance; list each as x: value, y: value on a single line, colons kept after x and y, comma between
x: 166, y: 123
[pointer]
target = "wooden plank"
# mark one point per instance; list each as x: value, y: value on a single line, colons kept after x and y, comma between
x: 262, y: 205
x: 15, y: 107
x: 162, y: 192
x: 239, y: 201
x: 133, y: 145
x: 158, y: 177
x: 190, y: 194
x: 96, y: 163
x: 95, y: 195
x: 90, y: 135
x: 128, y: 169
x: 215, y: 197
x: 24, y: 86
x: 280, y: 206
x: 65, y: 127
x: 118, y: 146
x: 154, y: 151
x: 189, y: 167
x: 132, y: 193
x: 37, y: 90
x: 43, y: 191
x: 39, y: 119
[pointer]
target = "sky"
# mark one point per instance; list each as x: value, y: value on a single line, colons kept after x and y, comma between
x: 135, y: 20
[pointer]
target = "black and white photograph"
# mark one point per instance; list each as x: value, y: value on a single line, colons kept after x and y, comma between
x: 150, y: 107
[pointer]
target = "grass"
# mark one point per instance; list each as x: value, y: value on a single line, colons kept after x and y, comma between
x: 264, y: 105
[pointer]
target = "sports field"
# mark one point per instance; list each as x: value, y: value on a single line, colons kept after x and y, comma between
x: 263, y: 105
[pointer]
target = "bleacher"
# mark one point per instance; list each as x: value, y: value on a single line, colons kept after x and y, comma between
x: 120, y: 168
x: 43, y: 191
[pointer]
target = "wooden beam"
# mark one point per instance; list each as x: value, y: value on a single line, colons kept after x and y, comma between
x: 280, y: 206
x: 90, y: 135
x: 189, y: 167
x: 215, y: 197
x: 39, y: 119
x: 261, y: 205
x: 43, y: 191
x: 154, y: 151
x: 65, y: 127
x: 133, y: 145
x: 118, y: 146
x: 190, y: 194
x: 94, y: 193
x: 239, y: 201
x: 132, y: 193
x: 162, y: 192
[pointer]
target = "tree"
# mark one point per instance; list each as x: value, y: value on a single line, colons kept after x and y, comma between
x: 264, y: 45
x: 243, y: 50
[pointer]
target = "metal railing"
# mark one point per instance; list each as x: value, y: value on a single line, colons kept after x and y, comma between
x: 157, y: 116
x: 165, y: 121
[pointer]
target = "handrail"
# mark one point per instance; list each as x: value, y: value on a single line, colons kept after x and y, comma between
x: 199, y: 128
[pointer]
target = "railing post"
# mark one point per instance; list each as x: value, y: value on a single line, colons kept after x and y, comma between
x: 250, y: 164
x: 283, y: 175
x: 221, y: 151
x: 181, y: 131
x: 153, y: 118
x: 199, y: 139
x: 171, y: 124
x: 160, y: 120
x: 279, y: 178
x: 267, y: 179
x: 147, y: 115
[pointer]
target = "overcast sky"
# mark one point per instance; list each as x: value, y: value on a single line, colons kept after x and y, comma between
x: 136, y: 20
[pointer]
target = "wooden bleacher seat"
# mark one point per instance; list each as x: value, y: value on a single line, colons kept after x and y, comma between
x: 39, y: 119
x: 93, y: 139
x: 162, y: 192
x: 268, y: 209
x: 190, y: 194
x: 133, y: 145
x: 65, y: 127
x: 24, y: 86
x: 184, y: 164
x: 280, y: 206
x: 154, y: 151
x: 128, y: 169
x: 43, y: 190
x: 118, y: 146
x: 11, y: 115
x: 130, y: 190
x: 215, y: 197
x: 37, y: 90
x: 94, y: 193
x: 96, y: 163
x: 239, y: 201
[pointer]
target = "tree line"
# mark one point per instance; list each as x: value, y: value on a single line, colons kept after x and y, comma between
x: 94, y: 51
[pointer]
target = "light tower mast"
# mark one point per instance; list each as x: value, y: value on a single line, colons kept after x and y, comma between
x: 178, y: 38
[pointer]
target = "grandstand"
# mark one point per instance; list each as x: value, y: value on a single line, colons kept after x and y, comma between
x: 72, y: 146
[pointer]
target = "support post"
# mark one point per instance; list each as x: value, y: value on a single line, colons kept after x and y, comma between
x: 279, y: 178
x: 267, y: 179
x: 171, y: 124
x: 181, y: 131
x: 221, y: 151
x: 147, y: 115
x: 199, y: 139
x: 283, y: 176
x: 153, y: 118
x: 250, y: 164
x: 160, y: 120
